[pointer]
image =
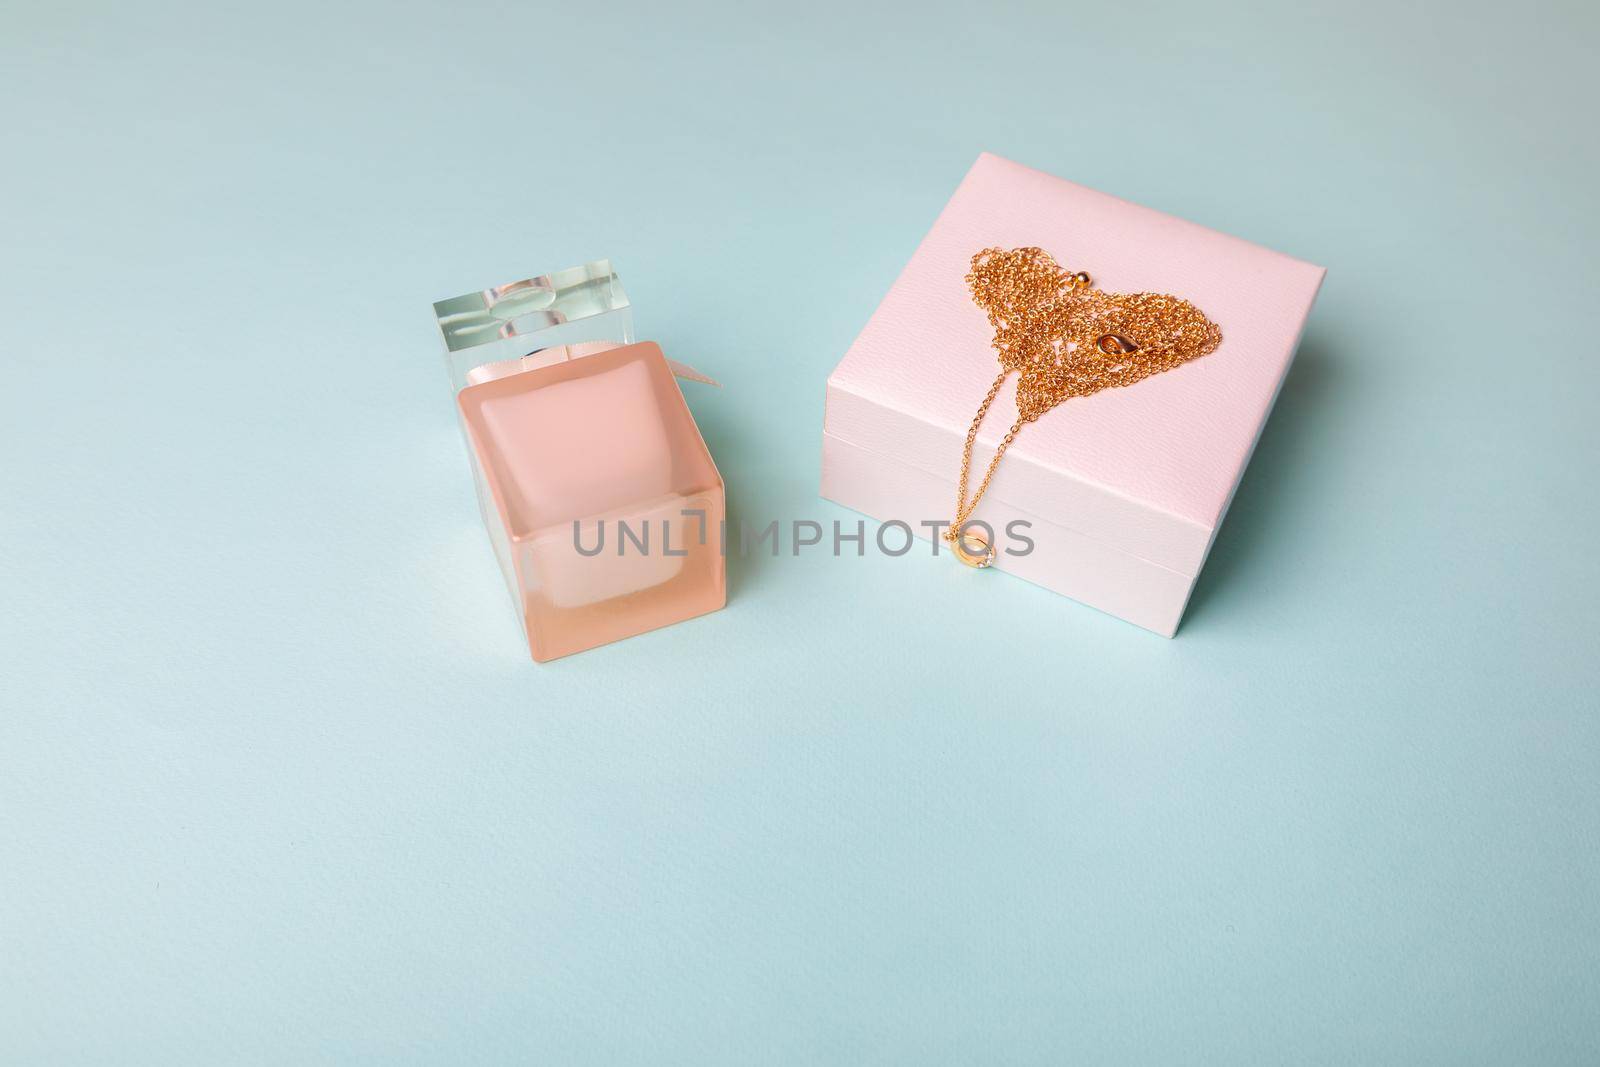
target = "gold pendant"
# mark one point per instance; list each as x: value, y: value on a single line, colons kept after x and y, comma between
x: 973, y: 549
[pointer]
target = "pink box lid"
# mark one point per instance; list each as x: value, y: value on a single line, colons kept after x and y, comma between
x: 1149, y: 468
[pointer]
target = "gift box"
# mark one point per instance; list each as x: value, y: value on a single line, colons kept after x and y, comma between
x: 1115, y: 497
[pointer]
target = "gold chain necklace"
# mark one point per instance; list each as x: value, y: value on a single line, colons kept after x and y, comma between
x: 1065, y: 338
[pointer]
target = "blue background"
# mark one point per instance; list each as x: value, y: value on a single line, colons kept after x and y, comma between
x: 279, y: 785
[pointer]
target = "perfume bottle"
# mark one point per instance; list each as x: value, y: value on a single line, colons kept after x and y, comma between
x: 601, y: 500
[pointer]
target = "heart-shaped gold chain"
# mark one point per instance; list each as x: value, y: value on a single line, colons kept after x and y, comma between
x: 1065, y: 338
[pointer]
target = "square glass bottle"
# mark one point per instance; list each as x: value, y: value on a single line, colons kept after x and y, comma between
x: 600, y: 497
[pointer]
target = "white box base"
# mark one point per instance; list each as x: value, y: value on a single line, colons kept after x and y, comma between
x: 1063, y: 561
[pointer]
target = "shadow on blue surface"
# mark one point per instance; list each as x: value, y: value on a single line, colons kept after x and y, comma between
x: 1252, y: 539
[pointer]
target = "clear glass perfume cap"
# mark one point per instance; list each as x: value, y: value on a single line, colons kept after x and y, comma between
x: 511, y: 321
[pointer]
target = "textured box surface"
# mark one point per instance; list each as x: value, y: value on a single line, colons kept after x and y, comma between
x: 1127, y: 486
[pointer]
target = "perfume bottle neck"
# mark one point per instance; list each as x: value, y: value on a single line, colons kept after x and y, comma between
x: 539, y: 357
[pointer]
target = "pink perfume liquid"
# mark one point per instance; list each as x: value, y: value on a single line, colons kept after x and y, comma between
x: 602, y: 500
